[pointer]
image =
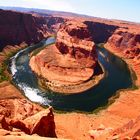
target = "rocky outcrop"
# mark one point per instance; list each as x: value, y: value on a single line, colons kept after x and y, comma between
x: 17, y: 27
x: 130, y: 130
x: 17, y: 108
x: 74, y: 39
x: 41, y: 124
x: 127, y: 41
x: 71, y: 60
x: 21, y: 115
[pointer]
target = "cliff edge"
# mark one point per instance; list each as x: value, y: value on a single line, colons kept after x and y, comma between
x: 17, y: 27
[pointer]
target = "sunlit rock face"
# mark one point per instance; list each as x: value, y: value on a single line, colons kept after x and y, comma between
x: 71, y: 60
x: 74, y: 39
x: 126, y: 40
x: 28, y: 118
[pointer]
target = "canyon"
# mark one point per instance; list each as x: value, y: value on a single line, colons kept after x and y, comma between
x: 70, y: 61
x: 19, y: 27
x: 119, y: 121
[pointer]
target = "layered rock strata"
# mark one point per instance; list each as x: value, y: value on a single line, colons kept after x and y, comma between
x: 71, y: 61
x: 21, y: 115
x: 126, y: 44
x: 100, y: 31
x: 126, y: 40
x: 17, y: 27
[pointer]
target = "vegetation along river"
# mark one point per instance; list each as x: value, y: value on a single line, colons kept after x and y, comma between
x: 117, y: 76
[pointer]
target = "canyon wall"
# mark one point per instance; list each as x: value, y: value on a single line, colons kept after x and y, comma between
x: 100, y: 31
x: 16, y: 27
x: 124, y: 37
x: 127, y: 41
x: 74, y: 39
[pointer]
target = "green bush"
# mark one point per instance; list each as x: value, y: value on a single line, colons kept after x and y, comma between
x: 3, y: 76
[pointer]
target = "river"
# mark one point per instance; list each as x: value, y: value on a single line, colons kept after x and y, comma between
x: 117, y: 76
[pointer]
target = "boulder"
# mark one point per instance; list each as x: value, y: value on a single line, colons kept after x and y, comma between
x: 41, y: 123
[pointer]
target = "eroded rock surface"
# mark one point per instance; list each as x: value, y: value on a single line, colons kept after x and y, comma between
x: 17, y: 27
x: 100, y: 30
x: 20, y: 117
x: 126, y: 44
x: 71, y: 60
x: 74, y: 40
x: 126, y: 40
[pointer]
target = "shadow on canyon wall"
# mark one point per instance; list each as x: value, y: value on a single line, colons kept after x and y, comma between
x: 100, y: 31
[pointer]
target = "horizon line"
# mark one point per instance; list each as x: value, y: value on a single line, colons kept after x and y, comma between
x: 59, y: 11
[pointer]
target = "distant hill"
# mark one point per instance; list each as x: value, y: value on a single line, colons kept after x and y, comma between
x: 44, y: 11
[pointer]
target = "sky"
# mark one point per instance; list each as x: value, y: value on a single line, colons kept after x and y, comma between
x: 112, y: 9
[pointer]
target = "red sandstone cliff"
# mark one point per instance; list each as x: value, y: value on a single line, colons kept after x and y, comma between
x: 75, y: 40
x: 16, y: 27
x: 127, y: 41
x: 100, y: 31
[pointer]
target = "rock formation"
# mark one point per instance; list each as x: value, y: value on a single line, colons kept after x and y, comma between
x: 74, y: 39
x: 119, y: 121
x: 71, y: 60
x: 17, y: 27
x: 26, y: 117
x: 100, y: 32
x: 41, y: 123
x: 127, y: 41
